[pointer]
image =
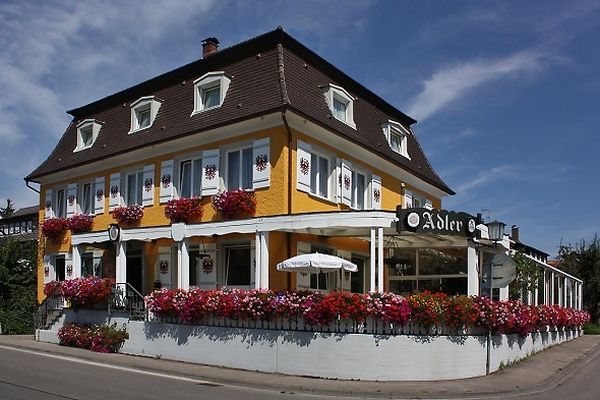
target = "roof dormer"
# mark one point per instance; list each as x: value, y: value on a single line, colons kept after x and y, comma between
x: 143, y: 112
x: 397, y: 137
x: 87, y: 132
x: 341, y: 103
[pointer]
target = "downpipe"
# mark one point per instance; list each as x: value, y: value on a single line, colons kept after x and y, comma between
x: 488, y: 352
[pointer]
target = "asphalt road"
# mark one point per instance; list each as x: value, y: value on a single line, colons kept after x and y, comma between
x: 26, y: 374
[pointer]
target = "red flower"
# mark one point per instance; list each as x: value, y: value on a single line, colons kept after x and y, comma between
x: 54, y: 228
x: 235, y: 203
x: 128, y: 214
x: 183, y: 209
x: 80, y: 223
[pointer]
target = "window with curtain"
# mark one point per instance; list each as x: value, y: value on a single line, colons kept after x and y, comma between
x: 339, y: 109
x: 319, y: 175
x: 60, y: 205
x: 239, y: 169
x: 211, y: 96
x: 134, y: 188
x: 85, y: 199
x: 190, y: 178
x: 238, y: 265
x: 358, y: 190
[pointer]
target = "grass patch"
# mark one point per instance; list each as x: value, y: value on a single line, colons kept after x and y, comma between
x: 592, y: 329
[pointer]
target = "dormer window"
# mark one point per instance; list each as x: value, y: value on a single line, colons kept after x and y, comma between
x: 341, y: 104
x: 210, y: 91
x: 87, y: 132
x: 143, y: 112
x: 397, y: 137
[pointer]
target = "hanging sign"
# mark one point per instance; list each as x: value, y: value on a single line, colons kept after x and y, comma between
x: 443, y: 222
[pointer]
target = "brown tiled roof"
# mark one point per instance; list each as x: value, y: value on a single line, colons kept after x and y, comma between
x: 258, y: 86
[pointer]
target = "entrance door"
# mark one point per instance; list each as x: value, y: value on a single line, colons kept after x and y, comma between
x: 134, y: 273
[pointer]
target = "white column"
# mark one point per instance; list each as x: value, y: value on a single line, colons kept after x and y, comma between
x: 561, y: 291
x: 580, y: 296
x: 372, y: 259
x: 504, y: 292
x: 472, y: 275
x: 551, y: 287
x: 257, y: 260
x: 121, y: 263
x: 380, y: 285
x: 183, y: 265
x: 264, y: 260
x: 76, y: 262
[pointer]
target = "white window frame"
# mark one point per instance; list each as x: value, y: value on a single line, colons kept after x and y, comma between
x: 332, y: 92
x: 314, y: 191
x: 209, y: 81
x: 366, y: 191
x: 56, y: 205
x: 239, y: 148
x: 193, y: 158
x: 83, y: 126
x: 139, y: 172
x: 151, y: 102
x: 80, y: 190
x: 393, y: 128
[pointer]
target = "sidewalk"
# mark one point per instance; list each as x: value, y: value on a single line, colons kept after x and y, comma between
x: 540, y: 372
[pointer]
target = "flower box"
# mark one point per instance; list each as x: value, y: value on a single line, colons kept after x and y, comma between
x: 54, y: 228
x: 128, y: 214
x: 235, y: 203
x: 80, y: 223
x: 183, y: 209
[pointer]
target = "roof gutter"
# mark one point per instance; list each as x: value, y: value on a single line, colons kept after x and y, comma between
x: 28, y: 184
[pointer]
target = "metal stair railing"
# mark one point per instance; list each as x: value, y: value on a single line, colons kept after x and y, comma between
x: 49, y: 310
x: 126, y: 298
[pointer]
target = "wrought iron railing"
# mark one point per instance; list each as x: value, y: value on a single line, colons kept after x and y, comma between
x: 126, y: 298
x: 49, y: 311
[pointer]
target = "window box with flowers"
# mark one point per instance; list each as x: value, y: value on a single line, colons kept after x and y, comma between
x: 183, y: 210
x: 80, y: 223
x: 235, y: 203
x: 54, y: 228
x: 128, y: 215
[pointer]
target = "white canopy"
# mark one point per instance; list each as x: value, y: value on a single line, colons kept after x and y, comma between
x: 315, y: 263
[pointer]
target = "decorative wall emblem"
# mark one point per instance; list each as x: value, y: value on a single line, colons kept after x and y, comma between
x: 164, y: 267
x: 114, y: 191
x: 304, y: 166
x: 210, y: 171
x: 69, y: 270
x: 46, y: 271
x: 346, y: 182
x: 208, y: 265
x: 148, y: 184
x: 165, y: 180
x: 71, y: 200
x: 376, y: 195
x: 99, y: 194
x: 261, y: 162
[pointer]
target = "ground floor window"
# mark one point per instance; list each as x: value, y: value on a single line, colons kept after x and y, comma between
x: 59, y: 266
x: 194, y: 263
x: 357, y: 278
x: 87, y: 264
x: 434, y: 269
x: 238, y: 266
x: 321, y: 281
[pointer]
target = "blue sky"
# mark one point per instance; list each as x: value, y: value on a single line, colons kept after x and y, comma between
x: 507, y: 94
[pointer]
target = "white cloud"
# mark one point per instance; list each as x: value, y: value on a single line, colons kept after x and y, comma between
x: 454, y: 82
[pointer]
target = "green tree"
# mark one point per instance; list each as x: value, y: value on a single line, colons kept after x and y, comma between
x: 528, y: 276
x: 583, y: 261
x: 17, y: 285
x: 7, y: 211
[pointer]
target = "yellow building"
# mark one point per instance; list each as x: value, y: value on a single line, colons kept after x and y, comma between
x: 327, y: 160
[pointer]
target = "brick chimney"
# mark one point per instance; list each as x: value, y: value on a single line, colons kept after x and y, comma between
x: 514, y: 233
x: 209, y: 46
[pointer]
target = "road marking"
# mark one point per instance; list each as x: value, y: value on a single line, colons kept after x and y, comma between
x: 116, y: 367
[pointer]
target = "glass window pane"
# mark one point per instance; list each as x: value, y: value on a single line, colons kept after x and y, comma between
x: 360, y: 191
x: 211, y: 96
x: 131, y: 189
x: 87, y: 263
x: 233, y: 170
x: 403, y: 287
x: 319, y: 281
x: 197, y: 178
x: 313, y: 173
x: 323, y: 176
x: 86, y: 136
x: 395, y: 142
x: 139, y: 187
x: 403, y: 262
x: 60, y: 206
x: 238, y: 266
x: 87, y: 199
x: 339, y: 109
x: 60, y: 268
x: 143, y: 117
x: 194, y: 261
x: 185, y: 179
x: 247, y: 168
x: 442, y: 261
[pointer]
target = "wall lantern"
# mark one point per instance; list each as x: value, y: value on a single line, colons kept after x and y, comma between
x: 496, y: 230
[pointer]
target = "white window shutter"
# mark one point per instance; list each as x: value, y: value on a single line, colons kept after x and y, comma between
x: 115, y: 191
x: 71, y: 199
x: 261, y: 165
x: 210, y: 172
x: 346, y: 182
x: 48, y: 211
x: 302, y: 279
x: 303, y: 166
x: 148, y: 185
x: 207, y: 273
x: 408, y: 199
x: 338, y: 180
x: 428, y: 204
x: 166, y: 181
x: 376, y: 192
x: 99, y: 195
x: 165, y: 267
x: 69, y: 266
